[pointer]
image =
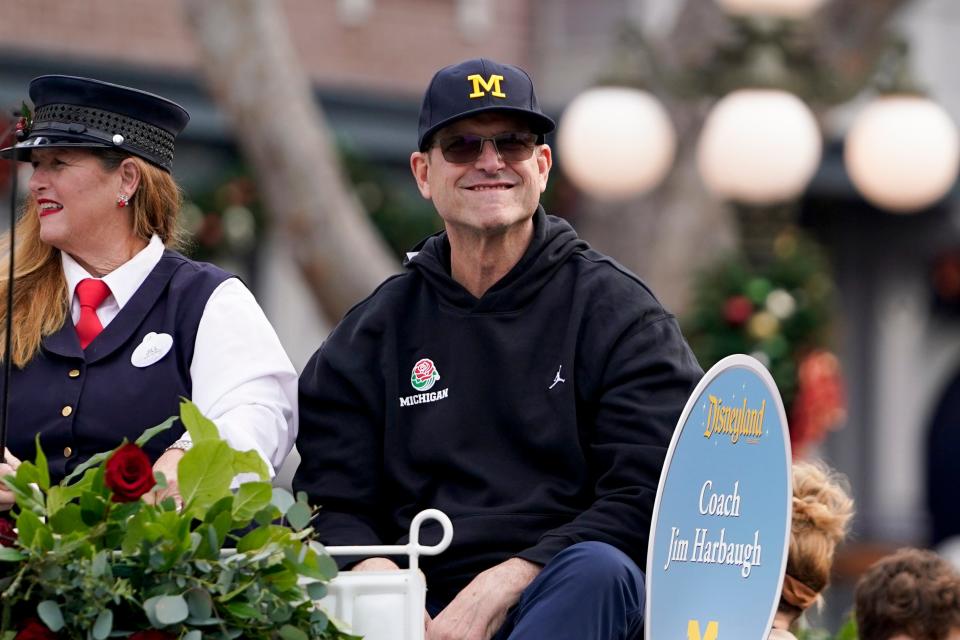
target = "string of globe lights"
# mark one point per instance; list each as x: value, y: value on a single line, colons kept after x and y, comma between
x: 760, y: 143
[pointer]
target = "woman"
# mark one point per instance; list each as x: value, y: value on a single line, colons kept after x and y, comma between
x: 111, y: 326
x: 822, y: 510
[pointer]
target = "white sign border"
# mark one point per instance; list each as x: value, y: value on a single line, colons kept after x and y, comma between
x: 734, y: 361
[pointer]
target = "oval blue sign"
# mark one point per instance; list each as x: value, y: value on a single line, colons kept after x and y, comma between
x: 721, y: 524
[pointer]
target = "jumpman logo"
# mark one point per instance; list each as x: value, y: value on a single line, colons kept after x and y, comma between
x: 557, y: 379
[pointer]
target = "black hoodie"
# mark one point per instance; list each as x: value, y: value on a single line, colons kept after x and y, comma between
x: 541, y: 420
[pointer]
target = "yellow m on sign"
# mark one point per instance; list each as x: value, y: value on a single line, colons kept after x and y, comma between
x: 693, y: 630
x: 492, y: 85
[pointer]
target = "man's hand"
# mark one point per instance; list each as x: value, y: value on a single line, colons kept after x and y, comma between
x: 478, y: 611
x: 7, y: 468
x: 376, y: 564
x: 167, y: 464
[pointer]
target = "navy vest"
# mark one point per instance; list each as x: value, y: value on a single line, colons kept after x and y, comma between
x: 82, y: 402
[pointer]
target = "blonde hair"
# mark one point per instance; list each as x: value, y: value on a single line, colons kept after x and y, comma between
x: 40, y: 302
x: 822, y: 510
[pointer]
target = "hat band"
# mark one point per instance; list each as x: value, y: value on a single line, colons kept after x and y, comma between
x: 141, y: 137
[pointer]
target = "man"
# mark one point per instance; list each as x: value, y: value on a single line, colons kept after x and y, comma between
x: 512, y: 377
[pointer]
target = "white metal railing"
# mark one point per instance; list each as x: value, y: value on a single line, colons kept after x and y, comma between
x: 386, y: 605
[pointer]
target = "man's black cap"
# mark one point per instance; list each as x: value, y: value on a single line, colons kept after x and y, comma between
x: 478, y: 86
x: 85, y: 113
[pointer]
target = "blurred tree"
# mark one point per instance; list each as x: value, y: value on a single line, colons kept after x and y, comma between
x: 254, y: 76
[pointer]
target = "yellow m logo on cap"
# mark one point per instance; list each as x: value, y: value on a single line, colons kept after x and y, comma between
x: 492, y: 85
x: 693, y: 630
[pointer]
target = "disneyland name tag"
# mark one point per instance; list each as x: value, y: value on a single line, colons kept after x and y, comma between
x: 153, y: 347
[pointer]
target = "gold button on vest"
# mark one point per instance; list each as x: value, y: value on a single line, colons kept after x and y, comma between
x: 74, y: 373
x: 67, y: 410
x: 67, y: 452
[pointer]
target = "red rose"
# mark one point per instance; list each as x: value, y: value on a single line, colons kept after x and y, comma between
x: 33, y: 629
x: 423, y: 370
x: 152, y: 635
x: 7, y: 535
x: 129, y: 473
x: 21, y: 124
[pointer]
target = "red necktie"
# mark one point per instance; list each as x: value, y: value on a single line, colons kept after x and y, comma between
x: 91, y: 293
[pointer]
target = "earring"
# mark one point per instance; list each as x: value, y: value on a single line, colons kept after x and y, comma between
x: 122, y: 200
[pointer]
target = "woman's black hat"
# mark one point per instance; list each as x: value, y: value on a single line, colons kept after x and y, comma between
x: 87, y: 113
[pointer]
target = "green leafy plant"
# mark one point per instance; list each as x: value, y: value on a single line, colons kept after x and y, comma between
x: 847, y: 632
x: 91, y: 559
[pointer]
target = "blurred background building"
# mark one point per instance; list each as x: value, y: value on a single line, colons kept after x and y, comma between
x: 895, y: 306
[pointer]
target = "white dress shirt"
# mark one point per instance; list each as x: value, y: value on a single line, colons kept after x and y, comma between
x: 242, y: 378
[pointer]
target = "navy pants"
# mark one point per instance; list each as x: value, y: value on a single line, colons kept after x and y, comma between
x: 590, y: 591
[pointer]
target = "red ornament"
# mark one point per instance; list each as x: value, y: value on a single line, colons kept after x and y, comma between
x: 946, y: 277
x: 21, y: 125
x: 737, y: 310
x: 129, y: 473
x: 820, y: 402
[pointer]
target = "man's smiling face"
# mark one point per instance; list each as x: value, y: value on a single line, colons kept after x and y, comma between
x: 489, y: 195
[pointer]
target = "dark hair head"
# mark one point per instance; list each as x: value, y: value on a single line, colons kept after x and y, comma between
x: 912, y: 592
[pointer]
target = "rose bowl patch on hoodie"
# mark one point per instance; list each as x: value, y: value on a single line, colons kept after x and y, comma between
x: 422, y: 378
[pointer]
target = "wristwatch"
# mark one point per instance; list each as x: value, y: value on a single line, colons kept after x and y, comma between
x: 184, y: 444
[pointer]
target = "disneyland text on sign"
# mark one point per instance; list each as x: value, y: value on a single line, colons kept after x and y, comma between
x: 707, y: 546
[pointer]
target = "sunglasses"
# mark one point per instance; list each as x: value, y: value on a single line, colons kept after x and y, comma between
x: 513, y: 146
